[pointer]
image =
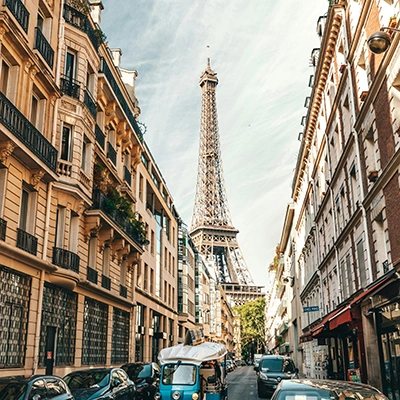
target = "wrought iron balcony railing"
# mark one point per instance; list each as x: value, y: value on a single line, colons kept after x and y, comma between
x: 101, y: 202
x: 127, y: 176
x: 90, y: 103
x: 20, y: 13
x: 106, y: 282
x: 66, y: 259
x: 3, y: 227
x: 92, y: 275
x: 100, y: 138
x: 111, y: 153
x: 70, y: 87
x: 105, y: 69
x: 44, y: 48
x: 13, y: 119
x: 123, y: 291
x: 80, y: 21
x: 26, y: 241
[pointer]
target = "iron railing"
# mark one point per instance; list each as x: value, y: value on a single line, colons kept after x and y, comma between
x: 101, y: 202
x: 100, y: 138
x: 92, y: 275
x: 27, y: 242
x: 80, y: 21
x: 44, y: 48
x: 90, y: 103
x: 13, y: 119
x: 127, y: 176
x: 106, y: 282
x: 70, y: 87
x: 105, y: 69
x: 111, y: 153
x: 3, y: 227
x: 20, y: 13
x: 66, y: 259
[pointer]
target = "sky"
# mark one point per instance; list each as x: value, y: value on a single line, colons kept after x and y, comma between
x: 261, y: 51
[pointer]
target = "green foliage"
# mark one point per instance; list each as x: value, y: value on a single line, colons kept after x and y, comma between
x: 252, y: 323
x: 79, y: 5
x: 100, y: 36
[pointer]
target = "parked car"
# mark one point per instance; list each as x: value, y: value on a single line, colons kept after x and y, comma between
x: 100, y: 383
x: 314, y: 389
x: 271, y: 370
x: 44, y: 386
x: 146, y: 377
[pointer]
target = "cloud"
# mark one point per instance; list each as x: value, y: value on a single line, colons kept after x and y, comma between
x: 261, y: 52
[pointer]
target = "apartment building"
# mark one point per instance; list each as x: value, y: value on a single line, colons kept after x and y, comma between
x: 343, y: 247
x: 88, y: 229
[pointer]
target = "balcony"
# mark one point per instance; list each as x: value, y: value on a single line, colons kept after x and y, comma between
x: 44, y: 48
x: 66, y: 259
x: 111, y: 154
x: 100, y: 138
x: 89, y: 102
x: 127, y: 176
x: 3, y: 227
x: 101, y: 202
x: 80, y: 21
x: 92, y: 275
x: 70, y: 87
x: 27, y: 242
x: 105, y: 69
x: 106, y: 282
x: 20, y: 13
x: 23, y: 130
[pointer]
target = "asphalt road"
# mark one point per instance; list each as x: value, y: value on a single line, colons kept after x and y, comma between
x: 242, y: 384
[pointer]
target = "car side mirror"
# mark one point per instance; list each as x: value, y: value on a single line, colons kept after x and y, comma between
x: 36, y: 397
x: 116, y: 383
x: 256, y: 369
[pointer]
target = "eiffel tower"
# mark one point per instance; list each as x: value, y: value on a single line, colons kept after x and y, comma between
x: 212, y: 231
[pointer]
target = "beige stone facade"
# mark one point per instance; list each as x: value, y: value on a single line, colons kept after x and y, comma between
x: 342, y: 246
x: 89, y: 235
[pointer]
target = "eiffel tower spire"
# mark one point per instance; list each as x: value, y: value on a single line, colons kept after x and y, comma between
x: 212, y: 231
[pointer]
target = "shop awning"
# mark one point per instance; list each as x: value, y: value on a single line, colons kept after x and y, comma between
x: 340, y: 318
x: 306, y: 337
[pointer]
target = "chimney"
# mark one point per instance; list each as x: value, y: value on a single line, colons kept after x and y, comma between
x: 96, y: 7
x: 116, y: 55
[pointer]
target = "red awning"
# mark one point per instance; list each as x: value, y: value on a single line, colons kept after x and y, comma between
x: 342, y: 317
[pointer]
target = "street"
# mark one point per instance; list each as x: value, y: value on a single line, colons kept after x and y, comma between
x: 242, y: 384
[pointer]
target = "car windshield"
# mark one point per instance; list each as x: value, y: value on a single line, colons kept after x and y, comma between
x: 138, y: 371
x: 87, y: 379
x: 329, y: 395
x: 277, y: 365
x: 12, y: 391
x: 179, y: 374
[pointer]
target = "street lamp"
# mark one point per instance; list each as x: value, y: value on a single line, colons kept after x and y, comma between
x: 380, y: 41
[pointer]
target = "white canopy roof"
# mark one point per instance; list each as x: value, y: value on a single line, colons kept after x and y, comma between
x: 194, y: 354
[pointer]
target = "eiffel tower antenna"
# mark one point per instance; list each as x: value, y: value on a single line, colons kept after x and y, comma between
x: 212, y: 231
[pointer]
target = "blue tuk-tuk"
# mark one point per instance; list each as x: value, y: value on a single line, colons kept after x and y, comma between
x: 193, y: 372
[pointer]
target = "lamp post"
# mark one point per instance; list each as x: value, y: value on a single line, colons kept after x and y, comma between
x: 380, y: 41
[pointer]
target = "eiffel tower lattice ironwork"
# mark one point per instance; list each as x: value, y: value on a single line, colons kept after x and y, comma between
x: 212, y: 231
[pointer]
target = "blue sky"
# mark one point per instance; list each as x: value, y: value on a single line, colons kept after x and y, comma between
x: 261, y: 52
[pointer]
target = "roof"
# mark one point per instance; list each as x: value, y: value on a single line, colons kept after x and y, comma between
x: 193, y: 354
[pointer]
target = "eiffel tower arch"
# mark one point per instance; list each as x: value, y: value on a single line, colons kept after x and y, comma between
x: 212, y: 231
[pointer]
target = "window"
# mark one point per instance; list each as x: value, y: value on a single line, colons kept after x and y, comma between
x: 66, y: 143
x: 43, y: 23
x: 106, y: 260
x: 27, y: 214
x: 60, y: 226
x: 361, y: 263
x: 9, y: 77
x: 3, y: 185
x: 38, y: 108
x: 73, y: 233
x: 86, y: 155
x: 70, y: 65
x: 140, y: 187
x: 353, y: 187
x: 92, y: 256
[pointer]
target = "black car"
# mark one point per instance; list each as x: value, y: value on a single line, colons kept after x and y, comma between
x: 315, y: 389
x: 146, y: 377
x: 271, y: 370
x: 42, y: 386
x: 100, y: 383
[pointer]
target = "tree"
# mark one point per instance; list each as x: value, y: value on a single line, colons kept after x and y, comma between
x: 252, y: 326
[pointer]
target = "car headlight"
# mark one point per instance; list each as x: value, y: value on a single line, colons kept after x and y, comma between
x: 176, y: 395
x: 195, y: 396
x: 263, y: 376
